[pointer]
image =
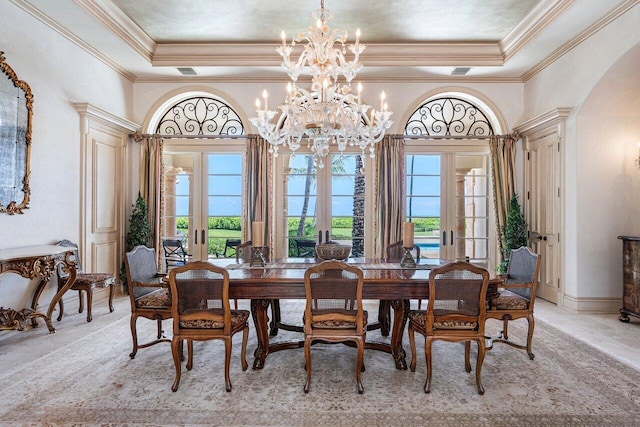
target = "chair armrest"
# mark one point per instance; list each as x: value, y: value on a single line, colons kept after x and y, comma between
x: 153, y: 282
x: 517, y: 285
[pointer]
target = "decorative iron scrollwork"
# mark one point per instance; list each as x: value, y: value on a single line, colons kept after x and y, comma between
x: 200, y: 116
x: 448, y: 117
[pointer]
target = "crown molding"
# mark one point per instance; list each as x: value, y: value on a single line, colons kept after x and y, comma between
x: 116, y: 21
x: 543, y: 120
x: 376, y: 54
x: 577, y: 40
x: 541, y: 16
x: 285, y: 79
x: 87, y: 110
x: 22, y: 4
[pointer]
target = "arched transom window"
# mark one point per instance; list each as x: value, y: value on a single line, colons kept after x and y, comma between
x: 448, y: 116
x: 200, y: 115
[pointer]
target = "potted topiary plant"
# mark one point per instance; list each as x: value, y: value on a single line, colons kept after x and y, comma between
x: 515, y: 232
x: 138, y: 233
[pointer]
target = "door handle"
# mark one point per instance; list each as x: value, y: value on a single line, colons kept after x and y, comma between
x: 541, y: 237
x: 444, y: 238
x: 452, y: 237
x: 195, y: 235
x: 203, y: 237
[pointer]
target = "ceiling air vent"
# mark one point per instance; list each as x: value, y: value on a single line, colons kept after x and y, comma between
x: 460, y: 71
x: 187, y: 71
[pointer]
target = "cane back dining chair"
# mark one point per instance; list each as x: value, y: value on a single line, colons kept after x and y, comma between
x: 333, y: 311
x: 394, y: 253
x: 85, y: 282
x: 148, y: 293
x: 201, y: 311
x: 518, y: 296
x: 456, y: 311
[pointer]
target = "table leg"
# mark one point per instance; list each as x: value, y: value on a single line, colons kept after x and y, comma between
x: 70, y: 280
x: 400, y: 315
x: 261, y: 322
x: 34, y: 304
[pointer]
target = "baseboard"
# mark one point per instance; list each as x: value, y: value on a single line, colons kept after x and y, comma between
x: 591, y: 305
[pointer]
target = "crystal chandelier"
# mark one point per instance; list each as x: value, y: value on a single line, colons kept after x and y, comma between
x: 329, y: 113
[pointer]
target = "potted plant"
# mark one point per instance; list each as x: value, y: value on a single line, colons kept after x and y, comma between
x: 138, y: 233
x: 515, y: 232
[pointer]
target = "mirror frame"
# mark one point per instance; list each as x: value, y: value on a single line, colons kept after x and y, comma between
x: 16, y: 206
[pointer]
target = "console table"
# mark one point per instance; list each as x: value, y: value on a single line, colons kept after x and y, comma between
x: 630, y: 277
x: 36, y: 262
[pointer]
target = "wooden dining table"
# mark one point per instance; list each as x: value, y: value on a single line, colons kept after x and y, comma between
x: 284, y: 279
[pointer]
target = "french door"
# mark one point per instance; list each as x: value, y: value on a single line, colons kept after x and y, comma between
x: 448, y: 200
x: 203, y: 199
x: 315, y: 205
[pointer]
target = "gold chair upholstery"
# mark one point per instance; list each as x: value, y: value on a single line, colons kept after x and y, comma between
x: 148, y: 293
x: 85, y: 282
x: 456, y: 311
x: 333, y: 311
x: 518, y: 297
x: 201, y: 311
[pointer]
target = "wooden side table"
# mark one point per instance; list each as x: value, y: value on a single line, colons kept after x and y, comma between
x: 36, y: 262
x: 630, y: 277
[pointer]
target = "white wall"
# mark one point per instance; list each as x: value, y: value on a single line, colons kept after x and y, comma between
x: 59, y: 73
x: 598, y: 80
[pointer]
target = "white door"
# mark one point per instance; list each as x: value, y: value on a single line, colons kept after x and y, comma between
x: 102, y: 199
x: 320, y: 204
x: 203, y: 199
x: 542, y: 210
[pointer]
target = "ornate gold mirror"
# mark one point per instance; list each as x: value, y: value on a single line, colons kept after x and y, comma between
x: 16, y: 110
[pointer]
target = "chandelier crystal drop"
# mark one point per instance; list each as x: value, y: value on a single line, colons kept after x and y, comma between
x: 329, y: 112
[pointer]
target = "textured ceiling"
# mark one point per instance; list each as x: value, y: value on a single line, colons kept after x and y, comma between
x: 380, y: 21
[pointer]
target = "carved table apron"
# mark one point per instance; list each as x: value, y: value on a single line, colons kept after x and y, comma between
x: 36, y: 262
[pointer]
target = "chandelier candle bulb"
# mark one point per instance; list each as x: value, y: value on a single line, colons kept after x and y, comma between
x: 265, y: 96
x: 382, y: 98
x: 408, y: 235
x: 257, y: 234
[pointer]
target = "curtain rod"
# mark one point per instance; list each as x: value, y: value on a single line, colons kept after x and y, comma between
x: 139, y: 136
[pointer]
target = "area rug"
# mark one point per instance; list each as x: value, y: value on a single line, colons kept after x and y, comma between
x: 93, y: 382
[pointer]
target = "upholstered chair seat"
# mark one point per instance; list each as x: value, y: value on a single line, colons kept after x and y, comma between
x: 510, y: 301
x: 159, y: 298
x: 238, y: 320
x: 340, y: 324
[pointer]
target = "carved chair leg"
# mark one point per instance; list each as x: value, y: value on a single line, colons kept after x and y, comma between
x: 467, y: 356
x: 134, y: 335
x: 61, y: 307
x: 532, y: 325
x: 412, y: 344
x: 307, y: 363
x: 243, y: 351
x: 360, y: 365
x: 481, y: 351
x: 227, y: 362
x: 80, y: 301
x: 505, y: 327
x: 89, y: 304
x: 189, y: 354
x: 175, y: 350
x: 160, y: 332
x: 112, y: 289
x: 427, y: 356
